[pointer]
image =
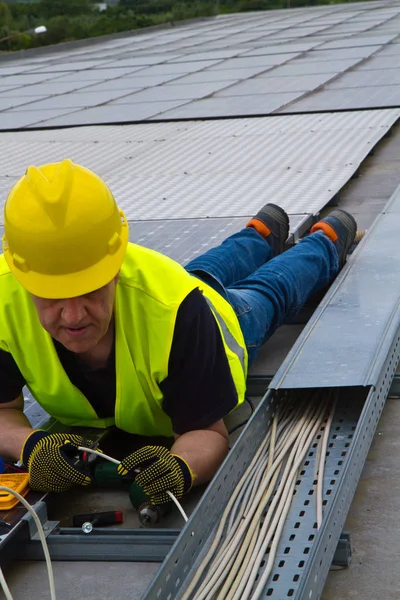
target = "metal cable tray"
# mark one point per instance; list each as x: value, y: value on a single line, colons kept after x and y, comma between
x: 364, y: 379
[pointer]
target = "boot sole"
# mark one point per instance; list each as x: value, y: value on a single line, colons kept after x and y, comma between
x: 279, y: 216
x: 349, y: 222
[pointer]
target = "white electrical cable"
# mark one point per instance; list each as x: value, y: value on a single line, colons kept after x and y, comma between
x: 247, y: 552
x: 231, y: 542
x: 105, y: 456
x: 118, y: 462
x: 212, y: 591
x: 272, y: 553
x: 321, y: 469
x: 178, y: 505
x: 230, y: 545
x: 271, y: 451
x: 42, y: 537
x: 247, y: 492
x: 239, y: 573
x: 253, y: 520
x: 220, y: 530
x: 4, y: 586
x: 288, y: 495
x: 253, y: 483
x: 286, y: 501
x: 284, y: 493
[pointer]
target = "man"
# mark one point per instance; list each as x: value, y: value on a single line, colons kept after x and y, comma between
x: 104, y: 332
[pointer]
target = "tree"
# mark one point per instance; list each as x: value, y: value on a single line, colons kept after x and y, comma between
x: 56, y: 8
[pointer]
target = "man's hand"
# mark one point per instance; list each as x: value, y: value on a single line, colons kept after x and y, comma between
x: 51, y: 461
x: 156, y: 470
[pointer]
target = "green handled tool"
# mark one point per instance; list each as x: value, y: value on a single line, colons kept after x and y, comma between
x: 105, y: 475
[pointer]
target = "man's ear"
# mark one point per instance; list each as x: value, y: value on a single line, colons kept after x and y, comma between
x: 116, y: 278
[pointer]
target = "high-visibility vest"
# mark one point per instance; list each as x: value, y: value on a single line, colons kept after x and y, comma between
x: 148, y: 295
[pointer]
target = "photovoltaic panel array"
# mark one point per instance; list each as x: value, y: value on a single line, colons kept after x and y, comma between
x: 209, y: 170
x: 247, y: 64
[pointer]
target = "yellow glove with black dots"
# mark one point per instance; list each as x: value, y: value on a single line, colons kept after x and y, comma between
x: 50, y: 459
x: 156, y: 470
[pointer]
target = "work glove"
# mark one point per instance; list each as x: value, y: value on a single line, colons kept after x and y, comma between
x: 156, y: 470
x: 52, y: 461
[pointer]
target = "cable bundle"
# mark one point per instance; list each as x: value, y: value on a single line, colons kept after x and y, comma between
x: 253, y: 520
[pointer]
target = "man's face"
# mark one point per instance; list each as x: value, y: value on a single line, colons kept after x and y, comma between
x: 78, y: 323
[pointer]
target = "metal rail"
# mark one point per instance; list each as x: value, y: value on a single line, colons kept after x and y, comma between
x: 133, y: 545
x: 352, y: 341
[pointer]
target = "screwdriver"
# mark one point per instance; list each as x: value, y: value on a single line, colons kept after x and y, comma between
x: 88, y: 521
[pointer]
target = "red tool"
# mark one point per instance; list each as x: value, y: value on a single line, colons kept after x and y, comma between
x: 89, y: 521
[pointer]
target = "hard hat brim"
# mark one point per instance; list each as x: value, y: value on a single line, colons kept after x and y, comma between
x: 83, y: 282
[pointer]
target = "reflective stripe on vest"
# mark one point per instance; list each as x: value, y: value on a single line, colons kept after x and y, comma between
x: 229, y: 339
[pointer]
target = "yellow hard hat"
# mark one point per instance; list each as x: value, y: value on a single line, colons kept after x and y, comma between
x: 64, y: 233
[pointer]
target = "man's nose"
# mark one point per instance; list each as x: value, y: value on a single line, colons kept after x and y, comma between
x: 73, y: 311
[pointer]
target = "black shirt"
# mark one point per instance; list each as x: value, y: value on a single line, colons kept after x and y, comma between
x: 198, y: 391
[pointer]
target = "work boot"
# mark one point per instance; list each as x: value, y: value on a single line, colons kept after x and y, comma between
x: 272, y: 223
x: 341, y: 228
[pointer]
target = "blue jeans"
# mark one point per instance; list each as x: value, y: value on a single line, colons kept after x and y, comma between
x: 264, y: 290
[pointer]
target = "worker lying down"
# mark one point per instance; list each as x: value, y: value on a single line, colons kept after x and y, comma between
x: 106, y: 333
